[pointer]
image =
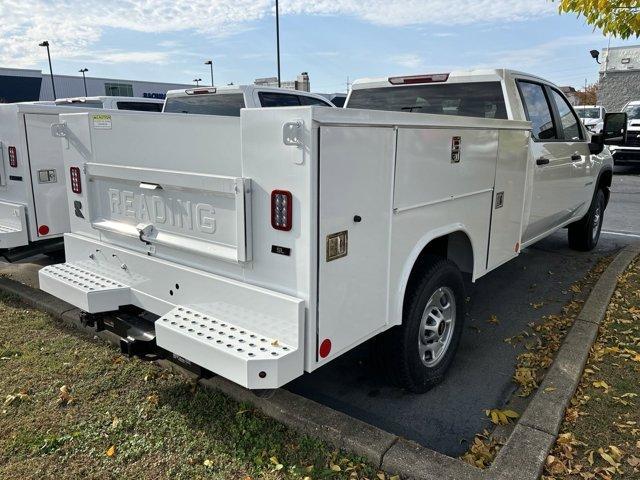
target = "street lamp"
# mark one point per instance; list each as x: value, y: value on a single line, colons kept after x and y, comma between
x: 84, y: 79
x: 278, y: 39
x: 210, y: 63
x: 53, y: 85
x: 595, y: 54
x: 197, y: 80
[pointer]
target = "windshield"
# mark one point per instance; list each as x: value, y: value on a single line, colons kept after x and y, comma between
x: 224, y: 104
x: 633, y: 112
x: 472, y: 99
x: 93, y: 104
x: 588, y: 112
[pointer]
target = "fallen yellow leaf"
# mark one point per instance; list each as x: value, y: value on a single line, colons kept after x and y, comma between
x: 111, y: 451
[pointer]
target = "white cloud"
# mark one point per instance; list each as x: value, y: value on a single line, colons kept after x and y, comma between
x: 74, y: 27
x: 411, y: 61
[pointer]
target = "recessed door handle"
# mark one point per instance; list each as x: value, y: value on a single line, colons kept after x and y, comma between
x: 576, y: 157
x: 542, y: 161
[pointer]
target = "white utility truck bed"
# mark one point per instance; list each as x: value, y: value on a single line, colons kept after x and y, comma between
x: 269, y: 244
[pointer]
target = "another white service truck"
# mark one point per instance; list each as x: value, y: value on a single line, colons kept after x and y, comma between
x: 262, y: 246
x: 629, y: 153
x: 592, y: 116
x: 33, y: 205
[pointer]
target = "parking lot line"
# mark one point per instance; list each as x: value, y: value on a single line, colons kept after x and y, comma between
x: 621, y: 234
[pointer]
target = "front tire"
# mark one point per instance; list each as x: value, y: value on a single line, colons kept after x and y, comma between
x: 585, y: 233
x: 418, y: 353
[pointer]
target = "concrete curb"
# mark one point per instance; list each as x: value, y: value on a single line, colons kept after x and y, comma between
x: 522, y: 456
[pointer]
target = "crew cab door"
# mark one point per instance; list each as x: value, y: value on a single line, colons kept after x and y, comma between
x: 553, y: 188
x: 576, y: 146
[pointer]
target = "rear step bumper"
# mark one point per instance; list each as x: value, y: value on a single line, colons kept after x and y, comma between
x: 250, y: 335
x: 13, y: 225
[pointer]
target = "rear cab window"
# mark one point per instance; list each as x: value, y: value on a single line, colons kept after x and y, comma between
x: 278, y: 99
x: 140, y: 106
x: 469, y: 99
x: 222, y: 104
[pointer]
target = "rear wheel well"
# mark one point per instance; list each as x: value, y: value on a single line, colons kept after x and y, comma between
x: 455, y: 246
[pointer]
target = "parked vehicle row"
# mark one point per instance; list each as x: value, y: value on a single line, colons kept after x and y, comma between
x: 629, y: 152
x: 264, y: 245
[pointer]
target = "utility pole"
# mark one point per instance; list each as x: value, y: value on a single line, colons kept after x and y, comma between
x: 53, y: 85
x: 210, y: 63
x: 278, y: 40
x: 84, y: 79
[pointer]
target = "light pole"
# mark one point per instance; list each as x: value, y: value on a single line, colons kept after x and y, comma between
x: 53, y: 85
x: 84, y: 79
x: 197, y: 80
x: 278, y: 39
x: 210, y: 63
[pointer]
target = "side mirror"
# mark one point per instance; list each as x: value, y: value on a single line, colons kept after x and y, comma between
x: 614, y: 131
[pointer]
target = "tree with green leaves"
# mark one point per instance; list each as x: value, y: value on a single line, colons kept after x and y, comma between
x: 619, y: 18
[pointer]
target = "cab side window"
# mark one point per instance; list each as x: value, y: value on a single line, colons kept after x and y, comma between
x: 313, y: 101
x: 568, y: 119
x: 538, y: 110
x: 275, y: 99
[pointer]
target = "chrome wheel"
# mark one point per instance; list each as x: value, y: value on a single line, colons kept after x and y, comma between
x: 597, y: 218
x: 436, y: 326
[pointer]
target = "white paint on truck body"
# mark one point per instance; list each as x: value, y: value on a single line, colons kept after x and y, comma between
x: 388, y: 183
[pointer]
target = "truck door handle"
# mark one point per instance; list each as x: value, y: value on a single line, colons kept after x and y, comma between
x: 542, y: 161
x: 576, y: 157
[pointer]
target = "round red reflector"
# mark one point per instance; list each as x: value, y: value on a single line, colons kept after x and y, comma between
x: 43, y: 230
x: 325, y: 348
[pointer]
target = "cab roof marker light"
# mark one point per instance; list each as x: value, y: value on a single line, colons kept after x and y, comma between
x: 414, y: 79
x: 200, y: 91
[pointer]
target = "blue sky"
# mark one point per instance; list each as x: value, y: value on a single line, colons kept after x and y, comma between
x: 330, y: 40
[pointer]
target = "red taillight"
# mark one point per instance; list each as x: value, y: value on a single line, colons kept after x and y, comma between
x: 76, y: 184
x: 13, y: 157
x: 200, y: 91
x: 434, y: 78
x: 281, y: 210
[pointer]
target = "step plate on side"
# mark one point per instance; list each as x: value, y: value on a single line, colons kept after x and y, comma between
x: 87, y: 290
x: 241, y: 355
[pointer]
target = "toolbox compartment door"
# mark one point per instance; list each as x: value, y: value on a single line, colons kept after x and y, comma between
x: 47, y: 176
x: 355, y: 208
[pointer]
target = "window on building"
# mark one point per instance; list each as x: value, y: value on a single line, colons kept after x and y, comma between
x: 118, y: 89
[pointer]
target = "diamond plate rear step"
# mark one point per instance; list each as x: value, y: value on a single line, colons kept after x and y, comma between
x: 13, y: 226
x: 83, y: 288
x: 245, y: 356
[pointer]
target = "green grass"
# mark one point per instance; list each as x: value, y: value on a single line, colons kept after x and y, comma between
x: 161, y: 424
x: 600, y: 437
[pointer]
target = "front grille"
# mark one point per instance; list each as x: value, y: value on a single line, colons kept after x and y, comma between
x: 633, y: 139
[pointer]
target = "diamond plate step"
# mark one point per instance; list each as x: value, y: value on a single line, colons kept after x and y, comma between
x: 244, y: 356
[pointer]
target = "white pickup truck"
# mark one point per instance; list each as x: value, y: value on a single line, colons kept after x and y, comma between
x: 264, y: 246
x: 629, y: 153
x: 229, y: 100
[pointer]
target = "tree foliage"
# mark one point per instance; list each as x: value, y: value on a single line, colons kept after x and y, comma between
x: 619, y: 18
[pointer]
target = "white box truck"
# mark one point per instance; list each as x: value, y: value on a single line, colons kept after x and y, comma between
x: 264, y: 246
x: 33, y: 214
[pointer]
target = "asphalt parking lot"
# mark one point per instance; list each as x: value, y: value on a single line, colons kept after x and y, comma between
x: 448, y: 417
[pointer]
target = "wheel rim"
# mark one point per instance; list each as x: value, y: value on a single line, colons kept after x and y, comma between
x: 437, y: 326
x: 597, y: 217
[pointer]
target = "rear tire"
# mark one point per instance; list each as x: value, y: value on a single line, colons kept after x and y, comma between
x: 418, y: 353
x: 585, y: 233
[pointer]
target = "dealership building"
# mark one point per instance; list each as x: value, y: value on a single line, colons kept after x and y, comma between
x: 22, y: 85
